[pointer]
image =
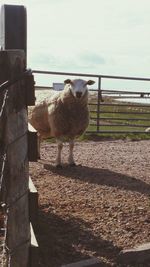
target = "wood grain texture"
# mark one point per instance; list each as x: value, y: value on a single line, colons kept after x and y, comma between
x: 14, y: 130
x: 15, y: 140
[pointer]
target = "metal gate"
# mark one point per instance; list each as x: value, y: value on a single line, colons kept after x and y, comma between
x: 114, y: 111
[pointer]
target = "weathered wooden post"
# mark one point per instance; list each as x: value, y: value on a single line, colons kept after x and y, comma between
x: 16, y: 149
x: 13, y: 27
x: 16, y: 137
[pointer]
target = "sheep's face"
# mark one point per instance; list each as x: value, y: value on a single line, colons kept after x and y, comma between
x: 78, y: 87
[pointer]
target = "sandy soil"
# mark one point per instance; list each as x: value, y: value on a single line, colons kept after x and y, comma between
x: 98, y: 207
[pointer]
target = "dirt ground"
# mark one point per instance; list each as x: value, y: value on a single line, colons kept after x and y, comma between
x: 98, y: 207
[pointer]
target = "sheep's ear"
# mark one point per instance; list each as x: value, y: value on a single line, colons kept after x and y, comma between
x: 90, y: 82
x: 68, y: 81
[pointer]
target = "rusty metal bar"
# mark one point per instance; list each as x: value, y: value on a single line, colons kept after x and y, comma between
x: 129, y: 119
x: 93, y: 104
x: 117, y: 132
x: 66, y: 73
x: 126, y: 112
x: 91, y: 75
x: 124, y: 92
x: 124, y: 105
x: 124, y: 125
x: 115, y: 97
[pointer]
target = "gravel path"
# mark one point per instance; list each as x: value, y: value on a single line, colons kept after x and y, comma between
x: 97, y: 208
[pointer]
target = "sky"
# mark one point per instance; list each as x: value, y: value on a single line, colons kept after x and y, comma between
x: 110, y: 37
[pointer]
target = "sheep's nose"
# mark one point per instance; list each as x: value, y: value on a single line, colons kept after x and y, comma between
x: 78, y: 94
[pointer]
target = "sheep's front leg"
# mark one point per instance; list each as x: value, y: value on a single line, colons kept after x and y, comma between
x: 58, y: 159
x: 71, y: 158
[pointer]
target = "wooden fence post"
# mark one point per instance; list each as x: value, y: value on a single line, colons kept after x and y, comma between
x: 15, y: 141
x: 13, y: 27
x: 17, y: 138
x: 21, y: 141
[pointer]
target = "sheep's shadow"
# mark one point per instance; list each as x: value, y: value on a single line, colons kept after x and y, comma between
x: 66, y: 240
x: 102, y: 177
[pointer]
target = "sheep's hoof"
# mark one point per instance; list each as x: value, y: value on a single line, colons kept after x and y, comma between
x: 58, y: 166
x: 72, y: 164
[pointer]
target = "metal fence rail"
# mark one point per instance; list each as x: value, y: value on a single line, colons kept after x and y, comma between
x: 114, y: 111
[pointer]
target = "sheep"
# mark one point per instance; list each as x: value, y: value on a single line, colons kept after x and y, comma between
x: 147, y: 130
x: 65, y: 116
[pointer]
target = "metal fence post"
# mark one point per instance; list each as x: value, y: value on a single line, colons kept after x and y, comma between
x: 98, y: 103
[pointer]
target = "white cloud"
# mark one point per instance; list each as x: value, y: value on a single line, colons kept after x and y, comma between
x: 99, y: 36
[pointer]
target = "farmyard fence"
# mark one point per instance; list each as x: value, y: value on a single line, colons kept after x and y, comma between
x: 18, y: 144
x: 16, y: 93
x: 113, y: 111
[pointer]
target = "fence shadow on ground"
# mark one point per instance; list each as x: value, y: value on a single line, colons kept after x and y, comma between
x: 67, y: 240
x: 103, y: 177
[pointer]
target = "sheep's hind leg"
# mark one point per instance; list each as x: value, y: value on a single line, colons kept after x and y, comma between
x: 71, y: 158
x: 58, y: 159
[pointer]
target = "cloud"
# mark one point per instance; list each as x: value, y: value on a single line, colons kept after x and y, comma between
x: 100, y: 36
x: 92, y: 58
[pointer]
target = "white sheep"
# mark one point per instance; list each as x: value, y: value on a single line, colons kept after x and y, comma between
x: 64, y: 115
x: 147, y: 130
